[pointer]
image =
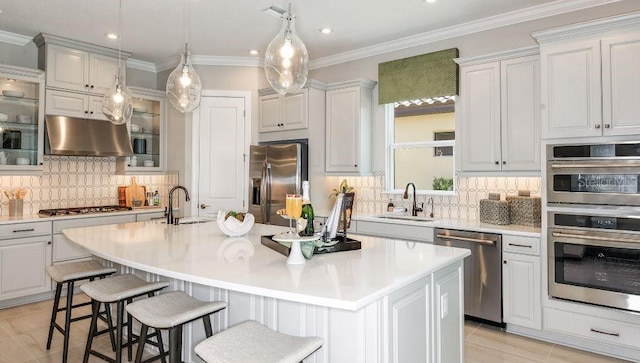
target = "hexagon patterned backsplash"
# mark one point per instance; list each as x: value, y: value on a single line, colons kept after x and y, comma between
x: 78, y: 182
x: 370, y: 198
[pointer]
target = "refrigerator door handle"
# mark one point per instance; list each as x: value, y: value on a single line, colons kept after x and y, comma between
x: 265, y: 192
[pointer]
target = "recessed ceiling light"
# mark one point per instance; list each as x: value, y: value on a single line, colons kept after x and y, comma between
x: 326, y: 30
x: 253, y: 52
x: 112, y: 36
x: 430, y: 1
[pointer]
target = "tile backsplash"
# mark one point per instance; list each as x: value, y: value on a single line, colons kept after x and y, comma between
x: 70, y: 181
x: 370, y: 197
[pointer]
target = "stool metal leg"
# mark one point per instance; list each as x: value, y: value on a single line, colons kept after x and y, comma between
x: 54, y: 313
x: 130, y: 333
x: 67, y: 321
x: 160, y: 345
x: 206, y: 320
x: 175, y: 344
x: 119, y: 321
x: 141, y: 340
x: 112, y: 338
x: 95, y: 307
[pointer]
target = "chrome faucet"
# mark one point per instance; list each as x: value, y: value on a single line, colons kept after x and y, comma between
x: 414, y: 207
x: 430, y: 201
x: 170, y: 206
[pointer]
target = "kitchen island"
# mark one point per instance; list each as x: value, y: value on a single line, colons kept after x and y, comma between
x: 391, y: 301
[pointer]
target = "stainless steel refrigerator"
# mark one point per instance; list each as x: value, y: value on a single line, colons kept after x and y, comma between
x: 274, y: 171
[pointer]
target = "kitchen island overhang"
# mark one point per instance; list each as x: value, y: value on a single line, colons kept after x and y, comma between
x: 373, y: 295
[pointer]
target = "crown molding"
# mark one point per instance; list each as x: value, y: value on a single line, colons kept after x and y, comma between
x: 531, y: 13
x: 141, y: 65
x: 13, y: 38
x: 45, y: 38
x: 598, y: 26
x: 502, y: 55
x: 207, y: 60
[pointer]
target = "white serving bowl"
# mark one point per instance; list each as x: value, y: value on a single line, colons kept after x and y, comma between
x: 148, y: 163
x: 9, y: 93
x: 233, y: 227
x: 135, y: 128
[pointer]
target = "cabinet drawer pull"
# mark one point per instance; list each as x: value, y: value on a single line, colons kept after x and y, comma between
x: 519, y: 245
x: 605, y: 332
x: 24, y: 230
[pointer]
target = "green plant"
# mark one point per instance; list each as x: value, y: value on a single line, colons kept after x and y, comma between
x: 343, y: 186
x: 442, y: 183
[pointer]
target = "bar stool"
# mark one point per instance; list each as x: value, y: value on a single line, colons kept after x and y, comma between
x: 68, y: 273
x: 117, y: 289
x: 171, y: 311
x: 253, y: 342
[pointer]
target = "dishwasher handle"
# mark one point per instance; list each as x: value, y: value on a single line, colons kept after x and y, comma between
x: 485, y: 242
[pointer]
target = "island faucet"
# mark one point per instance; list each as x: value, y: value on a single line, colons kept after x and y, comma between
x: 414, y: 207
x: 170, y: 206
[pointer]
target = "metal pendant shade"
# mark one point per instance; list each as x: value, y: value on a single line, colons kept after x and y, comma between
x: 184, y: 86
x: 286, y: 61
x: 117, y: 104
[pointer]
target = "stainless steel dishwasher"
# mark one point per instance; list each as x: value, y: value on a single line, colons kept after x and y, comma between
x: 482, y: 271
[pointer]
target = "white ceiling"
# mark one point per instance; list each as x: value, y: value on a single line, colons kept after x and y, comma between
x: 153, y: 30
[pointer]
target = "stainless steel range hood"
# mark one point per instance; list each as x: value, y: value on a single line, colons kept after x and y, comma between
x: 83, y: 137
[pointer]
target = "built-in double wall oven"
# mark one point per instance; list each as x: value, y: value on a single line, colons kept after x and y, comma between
x: 593, y: 235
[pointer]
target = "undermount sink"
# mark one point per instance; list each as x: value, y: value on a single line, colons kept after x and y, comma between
x: 192, y: 220
x: 406, y: 218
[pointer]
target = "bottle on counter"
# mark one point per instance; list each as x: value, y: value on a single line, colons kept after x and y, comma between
x: 307, y: 211
x: 390, y: 206
x: 156, y: 198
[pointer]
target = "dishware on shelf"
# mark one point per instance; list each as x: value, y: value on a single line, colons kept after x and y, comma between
x: 139, y: 109
x: 23, y: 161
x: 11, y: 139
x: 135, y: 128
x: 24, y: 119
x: 9, y: 93
x: 293, y: 208
x: 148, y: 163
x: 232, y: 227
x: 139, y: 146
x: 3, y: 157
x: 4, y: 117
x: 133, y: 161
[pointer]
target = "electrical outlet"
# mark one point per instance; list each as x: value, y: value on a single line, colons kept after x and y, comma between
x: 444, y: 305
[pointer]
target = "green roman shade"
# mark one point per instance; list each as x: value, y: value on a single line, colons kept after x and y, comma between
x: 422, y: 76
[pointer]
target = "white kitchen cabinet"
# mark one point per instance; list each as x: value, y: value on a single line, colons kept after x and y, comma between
x: 521, y: 282
x: 62, y: 103
x: 27, y: 103
x: 148, y: 125
x: 590, y: 79
x: 80, y: 70
x: 348, y: 127
x: 392, y: 230
x: 499, y: 112
x: 286, y: 112
x: 23, y: 263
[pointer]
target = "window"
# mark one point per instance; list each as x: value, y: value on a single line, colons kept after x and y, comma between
x: 420, y: 144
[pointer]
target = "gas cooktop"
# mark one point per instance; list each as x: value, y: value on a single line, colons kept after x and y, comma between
x: 82, y: 210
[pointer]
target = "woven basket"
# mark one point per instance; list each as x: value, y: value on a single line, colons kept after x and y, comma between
x: 494, y: 211
x: 525, y: 211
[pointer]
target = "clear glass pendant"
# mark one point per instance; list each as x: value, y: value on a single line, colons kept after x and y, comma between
x: 117, y: 104
x: 183, y: 86
x: 286, y: 61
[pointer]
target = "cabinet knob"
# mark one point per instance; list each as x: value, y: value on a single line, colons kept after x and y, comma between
x: 606, y: 126
x: 356, y: 165
x: 504, y: 163
x: 86, y: 112
x: 505, y: 262
x: 597, y: 126
x: 204, y: 206
x: 497, y: 163
x: 91, y: 86
x: 91, y: 112
x: 49, y: 242
x: 86, y: 86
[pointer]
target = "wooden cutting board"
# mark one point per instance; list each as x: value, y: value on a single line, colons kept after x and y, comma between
x: 134, y: 191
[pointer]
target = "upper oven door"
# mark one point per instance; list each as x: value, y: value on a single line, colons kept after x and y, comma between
x: 606, y: 174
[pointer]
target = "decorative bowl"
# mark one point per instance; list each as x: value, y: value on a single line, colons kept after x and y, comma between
x: 9, y: 93
x: 135, y: 128
x: 233, y: 227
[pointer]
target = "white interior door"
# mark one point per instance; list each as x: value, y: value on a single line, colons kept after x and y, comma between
x: 222, y: 144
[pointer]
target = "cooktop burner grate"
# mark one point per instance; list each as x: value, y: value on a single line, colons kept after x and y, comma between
x: 82, y: 210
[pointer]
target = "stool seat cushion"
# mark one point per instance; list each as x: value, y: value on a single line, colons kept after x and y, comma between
x: 253, y: 342
x: 63, y: 272
x: 172, y: 309
x: 120, y: 287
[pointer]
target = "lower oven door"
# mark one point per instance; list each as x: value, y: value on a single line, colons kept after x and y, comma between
x: 595, y: 267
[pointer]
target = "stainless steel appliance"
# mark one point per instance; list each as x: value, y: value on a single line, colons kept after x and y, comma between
x: 84, y: 137
x: 82, y: 210
x: 607, y: 174
x: 482, y: 271
x: 594, y: 257
x: 274, y: 171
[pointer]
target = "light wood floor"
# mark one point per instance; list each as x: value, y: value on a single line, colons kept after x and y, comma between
x: 23, y: 336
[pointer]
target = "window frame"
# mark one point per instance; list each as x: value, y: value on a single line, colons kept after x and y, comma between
x: 390, y: 147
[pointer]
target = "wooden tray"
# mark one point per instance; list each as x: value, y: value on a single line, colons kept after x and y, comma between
x: 349, y: 245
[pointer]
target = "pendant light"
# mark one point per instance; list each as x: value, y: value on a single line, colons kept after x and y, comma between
x: 117, y: 103
x: 286, y: 61
x: 183, y: 84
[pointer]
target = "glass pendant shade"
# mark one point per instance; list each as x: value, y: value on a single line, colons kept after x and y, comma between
x: 117, y: 104
x: 286, y: 61
x: 183, y: 86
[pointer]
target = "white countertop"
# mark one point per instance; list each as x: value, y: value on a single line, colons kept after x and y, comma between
x: 39, y: 218
x: 200, y: 253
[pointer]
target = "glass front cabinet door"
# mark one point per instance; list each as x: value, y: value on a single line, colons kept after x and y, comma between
x: 147, y: 130
x: 21, y: 120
